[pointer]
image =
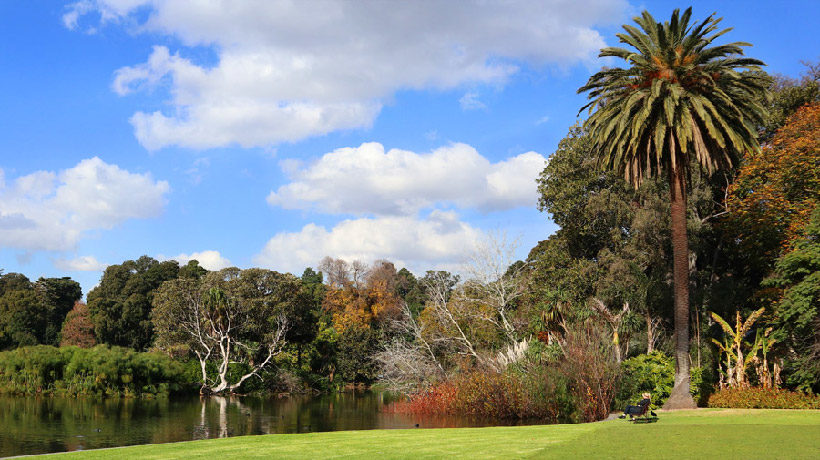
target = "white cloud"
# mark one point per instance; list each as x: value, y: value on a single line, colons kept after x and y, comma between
x: 45, y: 210
x: 368, y: 180
x: 440, y: 240
x: 288, y: 70
x: 209, y: 260
x: 470, y: 101
x: 80, y: 264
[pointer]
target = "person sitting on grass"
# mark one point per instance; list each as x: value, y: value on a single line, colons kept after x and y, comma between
x: 640, y: 409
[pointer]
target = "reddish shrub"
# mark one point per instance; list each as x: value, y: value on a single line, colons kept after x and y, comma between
x: 591, y: 372
x: 763, y: 398
x: 488, y: 394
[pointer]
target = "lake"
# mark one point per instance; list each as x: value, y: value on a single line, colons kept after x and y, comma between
x: 35, y: 425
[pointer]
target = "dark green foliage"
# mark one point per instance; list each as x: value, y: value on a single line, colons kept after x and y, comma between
x: 33, y: 313
x: 613, y: 242
x: 587, y: 203
x: 763, y: 398
x: 356, y: 346
x: 410, y: 290
x: 192, y: 270
x: 797, y: 313
x: 18, y: 318
x: 57, y: 296
x: 121, y: 305
x: 102, y: 371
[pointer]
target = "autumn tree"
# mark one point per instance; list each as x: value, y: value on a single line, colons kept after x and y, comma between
x: 778, y: 187
x: 78, y: 330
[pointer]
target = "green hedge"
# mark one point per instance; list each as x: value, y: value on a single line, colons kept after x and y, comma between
x: 100, y: 371
x: 763, y: 398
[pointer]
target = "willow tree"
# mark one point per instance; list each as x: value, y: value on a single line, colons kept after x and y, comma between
x: 679, y: 101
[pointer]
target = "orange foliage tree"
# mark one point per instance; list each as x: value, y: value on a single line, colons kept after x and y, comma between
x: 353, y: 307
x: 78, y: 329
x: 778, y: 188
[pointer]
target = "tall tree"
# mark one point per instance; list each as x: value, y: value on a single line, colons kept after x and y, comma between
x: 32, y: 313
x: 121, y: 305
x: 679, y: 97
x: 227, y: 317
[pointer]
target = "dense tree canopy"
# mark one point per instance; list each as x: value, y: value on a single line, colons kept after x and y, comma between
x: 32, y: 313
x: 121, y: 305
x: 227, y: 317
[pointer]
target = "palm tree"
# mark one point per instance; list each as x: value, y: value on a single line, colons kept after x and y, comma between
x: 680, y: 100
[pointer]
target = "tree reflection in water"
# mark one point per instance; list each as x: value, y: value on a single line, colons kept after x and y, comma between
x: 33, y: 425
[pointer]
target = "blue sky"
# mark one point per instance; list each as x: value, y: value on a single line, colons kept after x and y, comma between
x: 272, y: 134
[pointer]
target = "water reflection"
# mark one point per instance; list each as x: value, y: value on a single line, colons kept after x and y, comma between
x: 32, y: 425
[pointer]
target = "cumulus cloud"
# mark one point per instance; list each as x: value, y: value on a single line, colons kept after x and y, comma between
x: 209, y: 260
x: 440, y: 240
x: 80, y: 264
x: 45, y: 210
x: 288, y: 70
x: 369, y: 180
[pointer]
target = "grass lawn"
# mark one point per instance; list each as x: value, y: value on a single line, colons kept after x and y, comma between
x: 702, y: 433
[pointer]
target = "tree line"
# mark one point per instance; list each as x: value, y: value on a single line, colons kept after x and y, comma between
x: 603, y: 296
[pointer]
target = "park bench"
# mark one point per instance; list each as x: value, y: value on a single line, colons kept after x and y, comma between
x: 645, y: 416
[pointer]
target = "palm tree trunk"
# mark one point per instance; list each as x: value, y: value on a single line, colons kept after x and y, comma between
x: 680, y: 398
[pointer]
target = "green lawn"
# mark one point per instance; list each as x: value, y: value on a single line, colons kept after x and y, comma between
x: 704, y: 433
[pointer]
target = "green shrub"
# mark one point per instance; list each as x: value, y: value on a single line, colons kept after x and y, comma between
x: 763, y: 398
x: 101, y: 371
x: 653, y: 373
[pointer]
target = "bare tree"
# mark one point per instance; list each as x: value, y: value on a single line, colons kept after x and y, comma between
x: 358, y: 273
x: 444, y: 312
x: 382, y: 272
x: 495, y: 278
x: 409, y: 360
x: 337, y: 271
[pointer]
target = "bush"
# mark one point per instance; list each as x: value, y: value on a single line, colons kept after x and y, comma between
x: 101, y: 371
x: 507, y: 396
x: 654, y: 373
x: 763, y: 398
x: 589, y: 370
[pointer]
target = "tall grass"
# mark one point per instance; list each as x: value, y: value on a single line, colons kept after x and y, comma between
x: 99, y: 371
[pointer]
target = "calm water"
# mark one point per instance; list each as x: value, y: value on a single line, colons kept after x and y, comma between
x: 34, y: 425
